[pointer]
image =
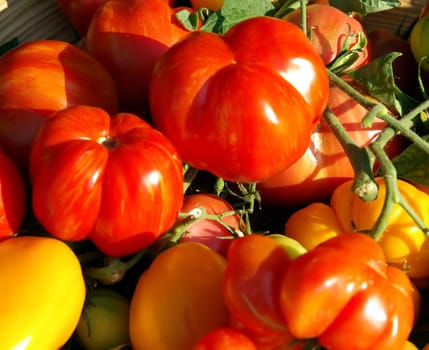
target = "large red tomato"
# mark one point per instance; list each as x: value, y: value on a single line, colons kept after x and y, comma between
x: 128, y: 37
x: 241, y: 105
x: 13, y: 198
x: 324, y: 165
x: 42, y: 77
x: 114, y: 180
x: 329, y: 28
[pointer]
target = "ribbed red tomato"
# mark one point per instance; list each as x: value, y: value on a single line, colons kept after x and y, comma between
x: 112, y: 179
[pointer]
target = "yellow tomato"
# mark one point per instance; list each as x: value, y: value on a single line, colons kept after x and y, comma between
x: 178, y: 298
x: 402, y: 237
x: 312, y: 225
x: 214, y: 5
x: 42, y: 293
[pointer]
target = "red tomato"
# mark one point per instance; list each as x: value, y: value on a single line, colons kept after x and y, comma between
x: 214, y: 5
x: 128, y: 37
x: 255, y: 266
x: 343, y: 285
x: 13, y: 198
x: 80, y: 12
x: 224, y: 338
x: 240, y: 107
x: 324, y: 165
x: 42, y: 77
x: 115, y: 180
x: 209, y: 231
x: 329, y: 29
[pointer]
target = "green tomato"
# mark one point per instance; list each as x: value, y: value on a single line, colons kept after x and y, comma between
x: 419, y: 42
x: 104, y: 321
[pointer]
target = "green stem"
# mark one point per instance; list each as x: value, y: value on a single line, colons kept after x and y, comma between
x: 393, y: 196
x: 364, y: 185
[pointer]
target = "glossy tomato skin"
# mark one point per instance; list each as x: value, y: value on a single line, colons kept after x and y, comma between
x: 208, y: 231
x: 252, y: 283
x: 324, y: 165
x: 241, y: 99
x: 329, y: 27
x: 13, y: 199
x: 128, y: 37
x: 331, y: 312
x: 56, y: 75
x: 112, y: 179
x: 37, y: 275
x: 224, y: 338
x: 178, y: 298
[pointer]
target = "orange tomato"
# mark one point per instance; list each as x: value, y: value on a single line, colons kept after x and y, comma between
x: 178, y: 298
x: 43, y: 293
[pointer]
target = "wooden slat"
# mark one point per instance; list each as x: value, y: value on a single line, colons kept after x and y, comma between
x: 33, y: 19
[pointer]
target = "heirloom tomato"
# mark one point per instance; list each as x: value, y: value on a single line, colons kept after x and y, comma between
x: 209, y: 231
x: 42, y: 77
x: 112, y: 179
x: 224, y: 338
x: 344, y: 285
x: 128, y: 37
x: 329, y: 28
x: 324, y: 165
x: 245, y: 102
x: 104, y: 320
x: 178, y: 298
x: 42, y: 293
x: 13, y: 197
x: 402, y: 241
x: 255, y: 265
x: 419, y: 42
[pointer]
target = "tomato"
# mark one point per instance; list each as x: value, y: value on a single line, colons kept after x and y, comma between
x: 324, y: 165
x: 252, y: 283
x: 128, y: 37
x: 112, y: 179
x: 80, y: 12
x: 329, y: 29
x: 178, y: 298
x: 214, y: 5
x: 404, y: 67
x: 342, y: 285
x: 104, y: 320
x: 43, y: 293
x: 425, y: 10
x: 224, y: 338
x: 13, y: 198
x: 402, y: 238
x: 55, y: 75
x: 244, y: 102
x: 419, y: 43
x: 209, y: 231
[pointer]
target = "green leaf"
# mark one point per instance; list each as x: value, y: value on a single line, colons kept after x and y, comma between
x: 188, y: 19
x: 378, y: 80
x: 413, y: 164
x: 234, y: 11
x: 364, y: 7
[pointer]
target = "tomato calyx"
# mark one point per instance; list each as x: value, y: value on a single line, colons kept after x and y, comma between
x: 110, y: 143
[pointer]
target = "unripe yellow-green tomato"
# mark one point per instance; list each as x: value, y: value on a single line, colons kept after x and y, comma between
x: 214, y: 5
x: 419, y: 42
x: 42, y: 293
x: 104, y: 321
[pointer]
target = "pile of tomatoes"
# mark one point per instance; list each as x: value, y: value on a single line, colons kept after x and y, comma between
x: 209, y: 174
